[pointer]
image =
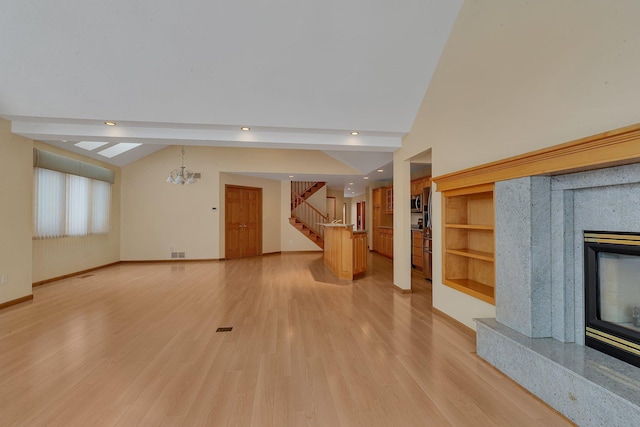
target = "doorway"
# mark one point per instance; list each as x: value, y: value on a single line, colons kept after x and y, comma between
x: 360, y: 216
x: 243, y: 221
x: 331, y: 208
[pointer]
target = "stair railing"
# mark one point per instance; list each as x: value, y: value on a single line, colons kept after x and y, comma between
x: 308, y: 214
x: 298, y: 188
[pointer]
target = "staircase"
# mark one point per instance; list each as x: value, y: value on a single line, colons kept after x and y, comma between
x: 304, y: 216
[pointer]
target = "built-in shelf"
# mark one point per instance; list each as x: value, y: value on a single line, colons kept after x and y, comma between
x: 475, y: 289
x: 468, y: 241
x: 484, y: 256
x: 470, y: 226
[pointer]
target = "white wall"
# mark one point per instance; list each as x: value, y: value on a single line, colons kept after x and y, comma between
x: 516, y: 76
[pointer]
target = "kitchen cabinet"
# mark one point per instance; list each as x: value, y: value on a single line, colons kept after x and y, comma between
x: 376, y: 197
x: 386, y: 241
x: 468, y: 241
x: 345, y: 250
x: 360, y: 251
x: 416, y: 249
x: 382, y: 220
x: 375, y: 224
x: 418, y: 184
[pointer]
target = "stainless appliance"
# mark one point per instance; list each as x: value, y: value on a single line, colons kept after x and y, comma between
x: 416, y: 203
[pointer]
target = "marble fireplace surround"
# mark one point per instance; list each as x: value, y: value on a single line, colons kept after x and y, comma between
x: 537, y: 337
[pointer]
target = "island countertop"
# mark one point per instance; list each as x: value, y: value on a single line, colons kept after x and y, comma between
x: 343, y: 225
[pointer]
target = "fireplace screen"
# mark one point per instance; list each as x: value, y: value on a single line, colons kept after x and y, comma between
x: 612, y: 293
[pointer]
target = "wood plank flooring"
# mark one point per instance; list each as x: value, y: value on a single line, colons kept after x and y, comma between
x: 136, y: 344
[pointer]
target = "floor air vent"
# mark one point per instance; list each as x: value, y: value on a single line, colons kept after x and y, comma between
x: 177, y: 255
x: 225, y: 329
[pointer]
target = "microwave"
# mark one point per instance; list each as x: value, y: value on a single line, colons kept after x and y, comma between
x: 416, y: 203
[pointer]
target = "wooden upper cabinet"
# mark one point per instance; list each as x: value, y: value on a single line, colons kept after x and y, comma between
x: 377, y: 197
x: 418, y: 184
x: 389, y: 205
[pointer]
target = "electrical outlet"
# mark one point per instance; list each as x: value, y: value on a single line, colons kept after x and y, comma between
x: 5, y: 279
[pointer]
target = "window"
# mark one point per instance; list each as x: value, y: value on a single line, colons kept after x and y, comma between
x: 70, y: 205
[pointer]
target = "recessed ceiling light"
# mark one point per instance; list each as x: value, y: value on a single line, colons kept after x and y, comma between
x: 351, y: 183
x: 290, y: 176
x: 65, y: 140
x: 380, y: 170
x: 353, y: 192
x: 90, y: 145
x: 355, y: 133
x: 245, y: 128
x: 118, y: 149
x: 110, y: 123
x: 349, y: 188
x: 366, y: 177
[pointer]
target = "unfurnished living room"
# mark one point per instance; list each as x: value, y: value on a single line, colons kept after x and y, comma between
x: 304, y: 213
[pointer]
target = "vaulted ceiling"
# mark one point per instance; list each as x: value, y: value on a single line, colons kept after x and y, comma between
x: 300, y: 74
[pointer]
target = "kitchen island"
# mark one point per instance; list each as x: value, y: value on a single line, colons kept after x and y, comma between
x: 345, y: 250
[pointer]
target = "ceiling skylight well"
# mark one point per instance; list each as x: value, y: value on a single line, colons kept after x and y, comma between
x: 90, y: 145
x: 118, y: 149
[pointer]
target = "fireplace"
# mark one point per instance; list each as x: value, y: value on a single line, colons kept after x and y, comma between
x: 612, y: 293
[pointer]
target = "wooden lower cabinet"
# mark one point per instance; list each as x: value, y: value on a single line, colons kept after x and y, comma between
x: 360, y: 251
x: 416, y: 249
x: 385, y: 238
x: 345, y: 251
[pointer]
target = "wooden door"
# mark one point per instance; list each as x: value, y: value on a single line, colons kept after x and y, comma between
x: 243, y: 221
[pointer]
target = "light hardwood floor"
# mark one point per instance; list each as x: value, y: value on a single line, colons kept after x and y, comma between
x: 136, y: 344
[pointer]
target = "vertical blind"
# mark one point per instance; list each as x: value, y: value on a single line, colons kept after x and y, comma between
x: 70, y: 205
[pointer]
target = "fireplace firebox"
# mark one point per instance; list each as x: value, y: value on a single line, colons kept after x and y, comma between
x: 612, y: 293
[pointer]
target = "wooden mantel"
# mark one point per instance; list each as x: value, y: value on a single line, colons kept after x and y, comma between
x: 613, y: 148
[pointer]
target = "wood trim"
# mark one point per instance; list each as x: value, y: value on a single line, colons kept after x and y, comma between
x: 271, y: 253
x: 156, y: 261
x: 16, y: 301
x: 401, y: 290
x: 613, y: 148
x: 455, y: 323
x: 77, y: 273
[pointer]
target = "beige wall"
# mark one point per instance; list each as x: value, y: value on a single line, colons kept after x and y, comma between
x: 16, y: 188
x: 158, y: 216
x: 67, y: 255
x: 516, y: 76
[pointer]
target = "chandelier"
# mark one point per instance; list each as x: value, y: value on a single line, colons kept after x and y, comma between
x: 182, y: 175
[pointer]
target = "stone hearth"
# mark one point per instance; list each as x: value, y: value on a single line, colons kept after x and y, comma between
x: 537, y: 337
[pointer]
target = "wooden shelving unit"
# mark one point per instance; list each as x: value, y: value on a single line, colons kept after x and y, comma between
x: 468, y: 243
